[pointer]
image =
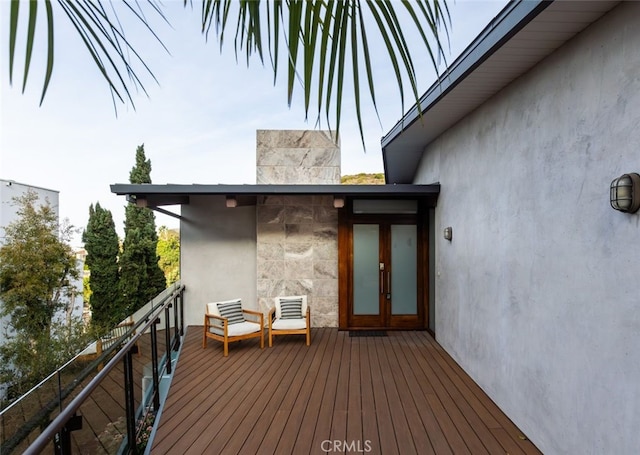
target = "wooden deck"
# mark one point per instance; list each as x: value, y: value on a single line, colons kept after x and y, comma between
x: 400, y: 394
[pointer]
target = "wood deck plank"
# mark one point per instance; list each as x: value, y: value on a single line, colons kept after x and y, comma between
x: 301, y: 401
x: 307, y: 429
x: 406, y: 385
x: 399, y: 394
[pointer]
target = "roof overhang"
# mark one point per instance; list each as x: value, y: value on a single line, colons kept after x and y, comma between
x: 155, y: 196
x: 521, y: 35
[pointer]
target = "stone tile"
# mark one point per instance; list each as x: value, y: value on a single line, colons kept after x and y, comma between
x: 271, y: 175
x: 299, y: 270
x: 324, y: 312
x: 270, y: 233
x: 272, y: 270
x: 295, y: 139
x: 298, y: 200
x: 270, y: 200
x: 297, y: 214
x: 297, y: 287
x: 325, y: 269
x: 322, y: 157
x: 325, y: 232
x: 298, y: 251
x: 325, y: 251
x: 270, y: 251
x: 325, y: 201
x: 270, y: 214
x: 270, y: 288
x: 299, y: 233
x: 324, y: 214
x: 325, y: 287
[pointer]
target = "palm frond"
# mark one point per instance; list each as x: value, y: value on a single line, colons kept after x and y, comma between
x: 102, y: 34
x: 320, y: 37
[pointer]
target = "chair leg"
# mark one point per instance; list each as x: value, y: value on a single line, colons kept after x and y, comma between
x: 308, y: 337
x: 226, y: 348
x: 262, y: 339
x: 270, y: 338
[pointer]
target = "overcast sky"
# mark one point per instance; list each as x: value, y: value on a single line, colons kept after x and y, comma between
x: 197, y: 125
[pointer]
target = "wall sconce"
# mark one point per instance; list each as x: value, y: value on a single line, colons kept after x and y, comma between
x: 231, y: 201
x: 141, y: 201
x: 338, y: 202
x: 625, y: 193
x: 448, y: 233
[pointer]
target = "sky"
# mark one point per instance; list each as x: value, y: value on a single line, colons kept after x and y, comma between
x: 197, y: 123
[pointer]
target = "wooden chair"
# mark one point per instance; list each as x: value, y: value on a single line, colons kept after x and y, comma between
x: 225, y: 322
x: 95, y: 349
x: 290, y: 316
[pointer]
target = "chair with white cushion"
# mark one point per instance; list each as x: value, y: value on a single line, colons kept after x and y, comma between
x: 225, y: 321
x: 290, y: 316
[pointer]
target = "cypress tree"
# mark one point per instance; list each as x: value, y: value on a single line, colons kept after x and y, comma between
x: 141, y: 278
x: 101, y: 242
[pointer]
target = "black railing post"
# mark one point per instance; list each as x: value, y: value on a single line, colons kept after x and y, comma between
x: 129, y: 402
x: 167, y: 337
x: 62, y: 440
x: 181, y: 296
x: 154, y: 365
x: 176, y: 330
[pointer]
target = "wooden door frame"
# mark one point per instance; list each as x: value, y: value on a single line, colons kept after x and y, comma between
x: 346, y: 220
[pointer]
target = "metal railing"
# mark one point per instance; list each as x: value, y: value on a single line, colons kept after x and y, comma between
x: 84, y: 414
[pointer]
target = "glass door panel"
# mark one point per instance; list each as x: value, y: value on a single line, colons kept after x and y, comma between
x: 366, y: 269
x: 404, y: 264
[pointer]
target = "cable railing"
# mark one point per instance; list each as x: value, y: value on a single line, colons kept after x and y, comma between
x: 103, y: 403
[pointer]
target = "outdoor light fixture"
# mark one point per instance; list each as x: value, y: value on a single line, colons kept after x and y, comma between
x: 338, y: 202
x: 625, y: 193
x: 141, y: 202
x: 231, y: 201
x: 448, y: 233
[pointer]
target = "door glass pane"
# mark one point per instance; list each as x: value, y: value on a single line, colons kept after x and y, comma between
x: 366, y: 269
x: 404, y: 263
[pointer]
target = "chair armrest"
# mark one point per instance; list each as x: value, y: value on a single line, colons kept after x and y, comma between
x: 256, y: 313
x: 207, y: 317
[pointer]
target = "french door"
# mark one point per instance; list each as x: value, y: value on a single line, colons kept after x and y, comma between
x: 386, y: 289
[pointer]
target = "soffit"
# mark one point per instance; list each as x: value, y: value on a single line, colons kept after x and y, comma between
x: 522, y: 35
x: 178, y: 194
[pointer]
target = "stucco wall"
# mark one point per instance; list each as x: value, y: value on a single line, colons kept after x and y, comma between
x: 537, y: 295
x: 218, y: 254
x: 297, y: 236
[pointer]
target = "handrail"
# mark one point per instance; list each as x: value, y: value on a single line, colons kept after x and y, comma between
x: 68, y: 412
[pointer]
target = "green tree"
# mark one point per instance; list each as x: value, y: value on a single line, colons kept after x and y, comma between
x: 322, y: 41
x: 37, y: 273
x: 141, y: 278
x: 101, y: 242
x: 363, y: 179
x: 169, y: 252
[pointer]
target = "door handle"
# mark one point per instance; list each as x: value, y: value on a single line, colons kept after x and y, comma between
x: 381, y: 282
x: 389, y: 283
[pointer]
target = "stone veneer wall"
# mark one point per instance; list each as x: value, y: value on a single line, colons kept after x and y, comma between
x: 297, y: 236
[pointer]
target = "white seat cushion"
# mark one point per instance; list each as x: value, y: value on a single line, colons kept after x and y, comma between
x: 91, y: 349
x: 241, y: 328
x: 289, y: 324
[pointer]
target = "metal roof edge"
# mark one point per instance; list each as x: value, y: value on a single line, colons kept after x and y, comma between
x: 506, y: 24
x: 279, y: 189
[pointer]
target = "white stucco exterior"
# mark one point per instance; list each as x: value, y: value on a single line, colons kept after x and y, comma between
x: 537, y: 294
x: 218, y: 255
